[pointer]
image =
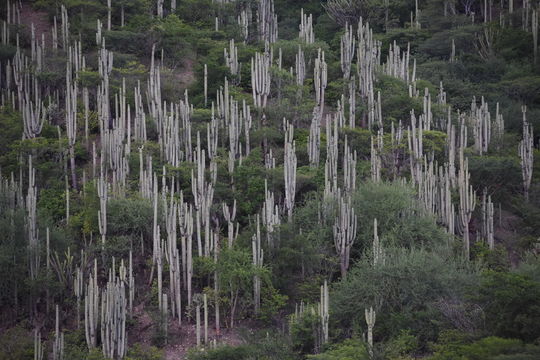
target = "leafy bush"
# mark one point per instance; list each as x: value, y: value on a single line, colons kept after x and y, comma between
x: 16, y: 344
x: 511, y: 305
x: 489, y: 348
x: 351, y: 349
x: 406, y: 288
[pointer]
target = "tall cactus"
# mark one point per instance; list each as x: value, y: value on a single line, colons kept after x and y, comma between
x: 230, y: 214
x: 258, y: 257
x: 267, y: 21
x: 324, y: 313
x: 91, y: 309
x: 306, y: 28
x: 467, y: 201
x: 260, y: 78
x: 370, y: 321
x: 289, y: 168
x: 526, y: 154
x: 231, y: 58
x: 113, y: 318
x: 32, y: 230
x: 344, y: 231
x: 348, y: 49
x: 58, y: 345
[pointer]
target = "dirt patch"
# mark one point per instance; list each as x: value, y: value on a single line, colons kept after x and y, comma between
x: 180, y: 338
x: 40, y: 19
x: 186, y: 75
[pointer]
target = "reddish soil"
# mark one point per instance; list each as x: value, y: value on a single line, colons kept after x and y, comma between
x: 180, y: 339
x: 40, y: 20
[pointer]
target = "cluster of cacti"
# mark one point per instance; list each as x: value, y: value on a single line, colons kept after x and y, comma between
x: 260, y: 78
x: 267, y: 21
x: 113, y: 317
x: 344, y: 230
x: 270, y: 214
x: 231, y: 58
x: 306, y: 34
x: 481, y: 122
x: 106, y: 305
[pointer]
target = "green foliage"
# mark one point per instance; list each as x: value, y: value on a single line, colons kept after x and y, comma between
x: 140, y: 352
x: 305, y: 332
x: 351, y: 349
x: 130, y: 216
x: 402, y: 346
x: 511, y: 306
x: 500, y: 175
x: 485, y: 349
x: 406, y: 287
x: 16, y: 344
x: 262, y: 345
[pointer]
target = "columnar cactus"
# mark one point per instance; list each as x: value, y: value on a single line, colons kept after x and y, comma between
x: 38, y: 346
x: 534, y: 27
x: 526, y: 154
x: 289, y: 168
x: 270, y: 215
x: 344, y: 231
x: 300, y: 67
x: 244, y: 20
x: 481, y: 119
x: 32, y: 231
x: 467, y: 201
x: 487, y: 220
x: 349, y: 169
x: 306, y: 28
x: 378, y: 250
x: 352, y: 102
x: 185, y: 220
x: 231, y: 58
x: 91, y: 309
x: 58, y: 345
x: 415, y: 137
x: 320, y: 80
x: 331, y: 164
x: 260, y: 78
x: 113, y: 318
x: 348, y: 48
x: 368, y: 58
x: 230, y: 215
x: 258, y: 257
x: 314, y: 139
x: 370, y: 321
x: 102, y: 188
x: 267, y: 21
x: 71, y: 119
x: 397, y: 63
x: 324, y: 313
x: 376, y: 157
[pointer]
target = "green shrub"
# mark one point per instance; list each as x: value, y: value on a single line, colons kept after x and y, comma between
x: 351, y: 349
x: 511, y: 305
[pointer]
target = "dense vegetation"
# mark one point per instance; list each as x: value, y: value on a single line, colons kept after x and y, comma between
x: 211, y: 180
